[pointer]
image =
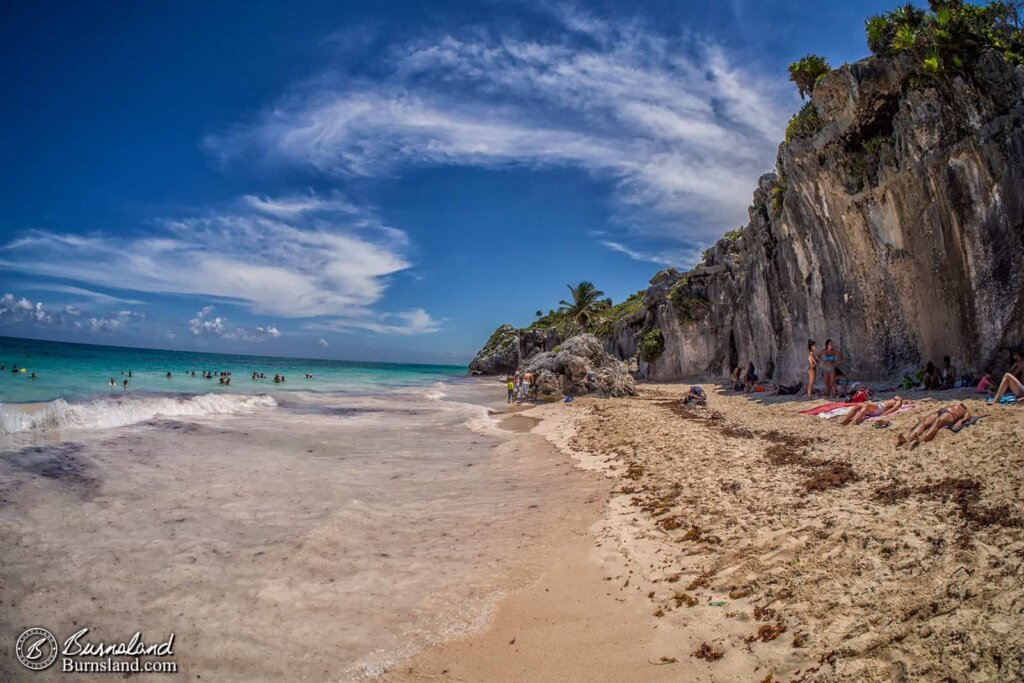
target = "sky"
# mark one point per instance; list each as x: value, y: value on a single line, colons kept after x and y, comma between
x: 375, y: 181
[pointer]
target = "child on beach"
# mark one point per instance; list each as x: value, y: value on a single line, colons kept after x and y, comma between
x: 511, y: 386
x: 986, y: 382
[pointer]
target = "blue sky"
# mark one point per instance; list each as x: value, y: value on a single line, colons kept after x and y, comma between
x: 383, y: 181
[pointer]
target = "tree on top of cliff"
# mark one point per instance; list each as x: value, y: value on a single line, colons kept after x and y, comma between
x: 586, y: 303
x: 807, y: 71
x: 950, y: 36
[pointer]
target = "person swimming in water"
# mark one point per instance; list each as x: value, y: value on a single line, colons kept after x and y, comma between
x: 872, y: 409
x: 125, y: 386
x: 927, y: 427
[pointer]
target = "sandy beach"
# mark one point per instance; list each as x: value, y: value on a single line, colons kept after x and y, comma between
x: 747, y: 541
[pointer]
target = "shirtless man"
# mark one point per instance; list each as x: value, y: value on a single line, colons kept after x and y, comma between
x: 872, y: 409
x: 928, y: 426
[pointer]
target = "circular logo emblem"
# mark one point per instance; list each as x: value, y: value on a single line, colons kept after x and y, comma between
x: 36, y: 649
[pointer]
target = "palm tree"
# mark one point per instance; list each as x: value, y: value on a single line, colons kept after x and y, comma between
x: 585, y: 303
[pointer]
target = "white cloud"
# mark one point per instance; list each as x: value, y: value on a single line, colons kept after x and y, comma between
x: 293, y: 207
x: 323, y: 343
x: 680, y: 129
x: 72, y: 310
x: 334, y: 263
x: 86, y: 294
x: 675, y: 258
x: 19, y: 309
x: 204, y: 323
x: 416, y: 321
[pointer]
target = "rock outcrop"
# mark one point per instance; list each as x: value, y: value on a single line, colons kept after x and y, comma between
x: 897, y: 230
x: 580, y: 366
x: 500, y: 355
x: 894, y: 225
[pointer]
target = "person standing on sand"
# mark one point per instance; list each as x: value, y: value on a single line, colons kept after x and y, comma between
x: 812, y: 366
x: 830, y: 357
x: 928, y: 426
x: 511, y: 386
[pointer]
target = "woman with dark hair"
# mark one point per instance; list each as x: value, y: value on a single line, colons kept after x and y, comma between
x: 830, y: 357
x: 812, y: 365
x: 750, y: 377
x: 930, y: 378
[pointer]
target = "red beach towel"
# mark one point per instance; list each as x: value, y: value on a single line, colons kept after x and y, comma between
x: 825, y: 407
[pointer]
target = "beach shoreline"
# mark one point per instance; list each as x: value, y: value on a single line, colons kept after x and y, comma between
x: 323, y: 538
x: 751, y: 542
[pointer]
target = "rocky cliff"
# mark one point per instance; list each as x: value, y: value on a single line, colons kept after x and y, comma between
x: 894, y: 225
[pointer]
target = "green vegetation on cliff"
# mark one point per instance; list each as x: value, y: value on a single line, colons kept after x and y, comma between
x: 633, y: 304
x: 807, y: 72
x: 652, y: 345
x: 501, y: 338
x: 951, y: 35
x: 804, y: 123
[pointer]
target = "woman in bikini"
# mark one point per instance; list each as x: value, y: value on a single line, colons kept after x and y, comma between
x: 1012, y: 381
x: 872, y: 409
x: 829, y: 358
x: 928, y: 426
x: 812, y: 365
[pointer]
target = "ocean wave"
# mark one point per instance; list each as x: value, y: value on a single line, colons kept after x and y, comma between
x: 436, y: 393
x: 107, y: 413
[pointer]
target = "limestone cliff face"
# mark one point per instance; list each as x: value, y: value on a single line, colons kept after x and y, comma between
x: 897, y: 230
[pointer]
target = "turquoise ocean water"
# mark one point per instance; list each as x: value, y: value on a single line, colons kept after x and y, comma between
x: 76, y: 372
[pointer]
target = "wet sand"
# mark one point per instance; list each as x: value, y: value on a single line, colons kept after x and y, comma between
x: 749, y: 542
x: 313, y: 542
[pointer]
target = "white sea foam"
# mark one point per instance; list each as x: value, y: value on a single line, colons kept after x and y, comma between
x: 107, y: 413
x: 436, y: 393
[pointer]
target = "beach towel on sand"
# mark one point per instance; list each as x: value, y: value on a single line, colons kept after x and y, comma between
x: 826, y: 407
x: 968, y: 423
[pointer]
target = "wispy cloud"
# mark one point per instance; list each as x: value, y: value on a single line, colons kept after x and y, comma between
x: 80, y: 294
x: 681, y: 129
x: 328, y: 259
x: 416, y: 321
x: 671, y: 257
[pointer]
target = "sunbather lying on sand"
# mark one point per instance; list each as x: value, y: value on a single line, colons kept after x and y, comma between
x: 872, y: 409
x: 928, y: 426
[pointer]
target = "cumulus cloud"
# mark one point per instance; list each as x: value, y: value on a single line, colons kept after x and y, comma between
x: 681, y: 129
x: 204, y: 323
x: 326, y: 260
x: 19, y: 309
x: 323, y: 343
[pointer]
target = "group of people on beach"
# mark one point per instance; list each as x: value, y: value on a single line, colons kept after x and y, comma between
x: 519, y: 387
